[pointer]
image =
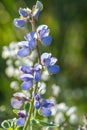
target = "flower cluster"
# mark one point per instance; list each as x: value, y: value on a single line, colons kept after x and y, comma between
x: 26, y: 14
x: 31, y: 74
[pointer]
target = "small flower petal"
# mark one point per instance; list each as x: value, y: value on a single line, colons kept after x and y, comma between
x: 20, y: 96
x: 41, y: 27
x: 45, y: 56
x: 23, y: 44
x: 37, y: 76
x: 16, y: 103
x: 39, y: 5
x: 26, y: 85
x: 26, y: 77
x: 37, y: 104
x: 47, y: 40
x: 46, y: 111
x: 21, y: 121
x: 23, y: 52
x: 54, y: 69
x: 32, y: 44
x: 19, y: 22
x: 47, y: 103
x: 26, y: 69
x: 23, y: 12
x: 36, y: 13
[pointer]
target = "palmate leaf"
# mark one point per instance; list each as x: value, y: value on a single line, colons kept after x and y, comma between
x: 41, y: 123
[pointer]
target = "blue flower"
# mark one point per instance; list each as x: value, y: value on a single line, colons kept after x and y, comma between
x: 19, y: 22
x: 16, y: 103
x: 49, y: 62
x: 23, y: 12
x: 28, y: 45
x: 37, y: 104
x: 47, y: 103
x: 22, y: 118
x: 37, y: 9
x: 20, y: 96
x: 45, y: 107
x: 26, y: 85
x: 43, y: 35
x: 21, y: 121
x: 46, y: 111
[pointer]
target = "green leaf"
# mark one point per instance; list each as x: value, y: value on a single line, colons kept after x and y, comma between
x: 5, y: 124
x: 41, y: 123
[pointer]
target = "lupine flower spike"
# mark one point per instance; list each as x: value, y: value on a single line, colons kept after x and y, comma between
x: 31, y: 76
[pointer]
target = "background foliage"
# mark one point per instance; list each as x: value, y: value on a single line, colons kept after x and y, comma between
x: 67, y: 20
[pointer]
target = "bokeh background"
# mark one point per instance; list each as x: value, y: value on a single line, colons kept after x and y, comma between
x: 67, y: 20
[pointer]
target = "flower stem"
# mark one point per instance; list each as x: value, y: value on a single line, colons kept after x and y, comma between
x: 30, y: 109
x: 36, y: 86
x: 37, y: 46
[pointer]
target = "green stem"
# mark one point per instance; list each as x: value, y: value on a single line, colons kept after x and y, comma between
x: 35, y: 88
x: 31, y: 109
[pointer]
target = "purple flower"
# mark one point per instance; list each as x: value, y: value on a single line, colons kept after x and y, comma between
x: 21, y: 121
x: 28, y: 45
x: 37, y: 104
x: 43, y: 35
x: 16, y: 103
x: 19, y: 22
x: 20, y: 96
x: 22, y: 113
x: 49, y: 62
x: 26, y: 77
x: 26, y: 85
x: 37, y: 9
x: 47, y: 103
x: 22, y: 118
x: 46, y: 111
x: 45, y: 107
x: 23, y: 12
x: 37, y: 97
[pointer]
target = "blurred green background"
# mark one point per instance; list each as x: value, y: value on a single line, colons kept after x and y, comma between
x: 67, y: 20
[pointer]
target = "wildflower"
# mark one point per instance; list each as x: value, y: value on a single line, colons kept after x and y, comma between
x: 43, y: 35
x: 49, y: 62
x: 16, y: 103
x: 19, y: 22
x: 22, y: 118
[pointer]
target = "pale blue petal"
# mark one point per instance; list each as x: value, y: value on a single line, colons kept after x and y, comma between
x: 41, y: 27
x: 23, y: 12
x: 46, y: 111
x: 53, y: 69
x: 16, y: 103
x: 21, y: 121
x: 23, y: 52
x: 26, y: 77
x: 32, y: 44
x: 26, y: 69
x: 44, y: 56
x: 47, y: 40
x: 26, y: 85
x: 19, y: 22
x: 37, y: 76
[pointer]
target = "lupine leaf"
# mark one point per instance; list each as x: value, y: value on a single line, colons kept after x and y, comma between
x: 5, y: 124
x: 41, y: 123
